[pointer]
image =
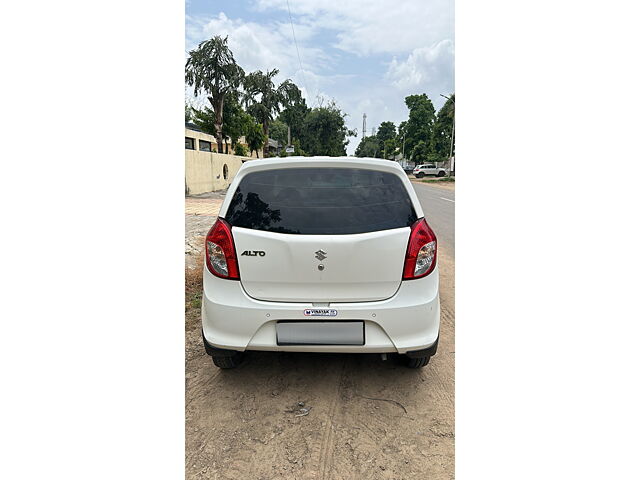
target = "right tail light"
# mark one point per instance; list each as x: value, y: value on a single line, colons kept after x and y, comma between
x: 421, y: 251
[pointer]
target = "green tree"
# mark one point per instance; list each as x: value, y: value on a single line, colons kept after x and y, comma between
x: 420, y: 152
x: 205, y: 119
x: 212, y: 70
x: 324, y: 132
x: 368, y: 147
x: 278, y: 131
x: 297, y: 149
x: 264, y: 100
x: 294, y: 115
x: 420, y: 123
x: 255, y: 138
x: 236, y: 121
x: 236, y: 124
x: 386, y: 135
x: 386, y: 131
x: 390, y: 147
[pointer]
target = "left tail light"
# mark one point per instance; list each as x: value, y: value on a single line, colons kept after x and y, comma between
x: 220, y: 252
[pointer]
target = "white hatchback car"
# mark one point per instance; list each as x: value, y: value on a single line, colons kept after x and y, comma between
x: 320, y: 254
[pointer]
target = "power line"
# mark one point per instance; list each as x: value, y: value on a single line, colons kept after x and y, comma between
x: 304, y: 79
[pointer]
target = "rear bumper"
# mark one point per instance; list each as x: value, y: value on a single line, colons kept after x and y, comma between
x: 409, y: 321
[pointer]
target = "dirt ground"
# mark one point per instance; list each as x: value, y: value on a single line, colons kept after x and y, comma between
x: 314, y: 416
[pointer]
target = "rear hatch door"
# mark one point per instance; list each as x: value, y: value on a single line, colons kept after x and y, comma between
x: 321, y: 234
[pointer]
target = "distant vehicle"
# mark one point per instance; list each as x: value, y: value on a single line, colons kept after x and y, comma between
x: 429, y: 169
x: 319, y: 254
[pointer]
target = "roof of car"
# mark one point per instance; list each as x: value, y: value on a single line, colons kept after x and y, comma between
x: 361, y: 162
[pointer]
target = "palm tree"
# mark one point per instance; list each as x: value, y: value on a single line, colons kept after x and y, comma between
x: 264, y: 100
x: 211, y: 69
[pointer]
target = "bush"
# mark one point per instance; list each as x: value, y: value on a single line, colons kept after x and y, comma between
x: 440, y: 180
x: 241, y: 150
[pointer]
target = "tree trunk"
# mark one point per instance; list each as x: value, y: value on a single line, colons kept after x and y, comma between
x: 218, y: 105
x: 265, y: 130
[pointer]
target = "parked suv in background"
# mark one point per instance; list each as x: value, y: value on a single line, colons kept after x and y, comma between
x: 321, y: 255
x: 429, y: 169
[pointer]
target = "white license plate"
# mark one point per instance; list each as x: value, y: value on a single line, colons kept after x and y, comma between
x: 320, y: 333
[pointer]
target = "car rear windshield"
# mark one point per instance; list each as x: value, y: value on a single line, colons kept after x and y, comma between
x: 321, y: 201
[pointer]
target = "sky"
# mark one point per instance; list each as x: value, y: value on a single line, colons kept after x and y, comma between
x: 367, y: 56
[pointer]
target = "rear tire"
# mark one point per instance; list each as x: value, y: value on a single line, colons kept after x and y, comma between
x: 227, y: 362
x: 419, y: 175
x: 418, y: 362
x: 441, y: 174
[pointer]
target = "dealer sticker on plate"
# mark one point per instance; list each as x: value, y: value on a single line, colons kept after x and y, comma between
x: 320, y: 312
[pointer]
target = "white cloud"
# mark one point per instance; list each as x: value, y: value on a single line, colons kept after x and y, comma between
x: 367, y: 27
x: 424, y: 67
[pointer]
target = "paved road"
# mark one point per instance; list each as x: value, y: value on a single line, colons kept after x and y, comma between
x: 439, y: 208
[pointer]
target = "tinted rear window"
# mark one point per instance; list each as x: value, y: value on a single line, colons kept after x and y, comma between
x: 321, y: 201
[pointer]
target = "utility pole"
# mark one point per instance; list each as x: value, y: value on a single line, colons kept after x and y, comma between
x: 403, y: 137
x: 364, y: 125
x: 453, y: 130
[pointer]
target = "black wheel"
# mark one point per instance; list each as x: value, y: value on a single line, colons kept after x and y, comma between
x: 227, y: 361
x: 419, y: 175
x: 418, y: 362
x: 441, y: 174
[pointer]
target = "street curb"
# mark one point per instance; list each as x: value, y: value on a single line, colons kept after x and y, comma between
x: 447, y: 186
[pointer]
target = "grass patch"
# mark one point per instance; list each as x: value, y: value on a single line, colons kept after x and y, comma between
x: 440, y: 180
x: 193, y: 295
x: 196, y: 301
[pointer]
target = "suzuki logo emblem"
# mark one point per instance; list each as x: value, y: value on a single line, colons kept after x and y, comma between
x: 321, y: 254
